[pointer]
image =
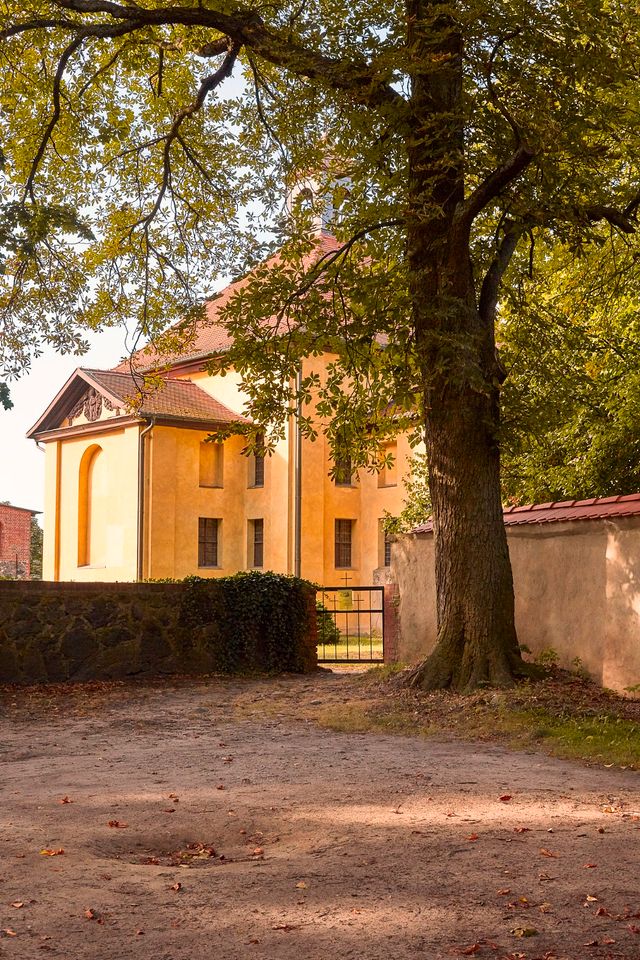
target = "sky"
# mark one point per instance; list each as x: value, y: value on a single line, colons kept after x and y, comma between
x: 22, y: 463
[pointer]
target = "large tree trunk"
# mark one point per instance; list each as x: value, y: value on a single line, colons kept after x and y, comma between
x: 475, y: 606
x: 460, y: 378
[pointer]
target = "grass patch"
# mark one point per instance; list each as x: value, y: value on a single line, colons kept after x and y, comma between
x: 564, y: 715
x: 362, y: 649
x: 607, y: 739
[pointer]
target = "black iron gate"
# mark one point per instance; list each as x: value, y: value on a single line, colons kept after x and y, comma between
x: 350, y: 624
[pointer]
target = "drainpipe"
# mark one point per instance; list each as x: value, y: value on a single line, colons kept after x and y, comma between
x: 297, y: 467
x: 140, y: 520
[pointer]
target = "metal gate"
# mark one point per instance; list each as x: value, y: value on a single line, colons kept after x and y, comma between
x: 350, y: 624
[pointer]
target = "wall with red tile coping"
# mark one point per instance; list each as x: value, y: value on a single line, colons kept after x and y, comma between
x: 577, y: 591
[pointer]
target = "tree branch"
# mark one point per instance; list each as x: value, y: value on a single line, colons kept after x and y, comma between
x: 357, y: 78
x: 496, y: 182
x: 57, y: 83
x: 617, y: 218
x: 491, y: 284
x: 208, y: 84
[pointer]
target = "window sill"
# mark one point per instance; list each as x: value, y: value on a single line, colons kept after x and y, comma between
x: 211, y: 486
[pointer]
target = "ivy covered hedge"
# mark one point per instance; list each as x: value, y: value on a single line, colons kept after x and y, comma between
x: 250, y: 622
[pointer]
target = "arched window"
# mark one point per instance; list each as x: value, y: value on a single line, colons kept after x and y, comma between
x: 92, y: 508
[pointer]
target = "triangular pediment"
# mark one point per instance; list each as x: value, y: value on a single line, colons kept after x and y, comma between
x: 82, y: 400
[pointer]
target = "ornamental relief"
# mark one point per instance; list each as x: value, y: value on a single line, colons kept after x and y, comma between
x: 90, y: 406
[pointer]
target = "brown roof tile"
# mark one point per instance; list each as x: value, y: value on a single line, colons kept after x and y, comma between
x: 174, y: 398
x: 210, y: 337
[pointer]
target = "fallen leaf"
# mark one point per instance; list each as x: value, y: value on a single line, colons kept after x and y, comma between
x: 301, y: 885
x: 91, y: 914
x: 521, y: 829
x: 220, y: 786
x: 258, y: 852
x: 608, y: 940
x: 9, y: 932
x: 591, y: 899
x: 228, y: 759
x: 589, y: 866
x: 169, y: 810
x: 547, y: 853
x: 117, y: 824
x: 504, y: 892
x: 52, y: 853
x: 467, y: 951
x: 65, y: 800
x: 176, y: 886
x: 174, y: 797
x: 524, y: 932
x: 139, y: 933
x: 472, y: 837
x: 505, y: 798
x: 17, y: 904
x: 601, y: 912
x: 284, y: 926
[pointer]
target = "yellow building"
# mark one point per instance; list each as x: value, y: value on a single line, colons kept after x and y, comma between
x: 140, y: 492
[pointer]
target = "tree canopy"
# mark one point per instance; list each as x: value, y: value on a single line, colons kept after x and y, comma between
x: 465, y: 134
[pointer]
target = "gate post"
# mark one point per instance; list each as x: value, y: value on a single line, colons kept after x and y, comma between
x: 391, y: 622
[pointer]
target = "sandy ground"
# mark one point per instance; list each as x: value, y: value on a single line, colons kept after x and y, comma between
x: 240, y: 832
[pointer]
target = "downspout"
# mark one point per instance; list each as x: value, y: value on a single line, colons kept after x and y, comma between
x: 297, y: 467
x: 141, y: 499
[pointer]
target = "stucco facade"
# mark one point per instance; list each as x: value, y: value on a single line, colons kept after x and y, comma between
x: 577, y: 591
x: 127, y: 493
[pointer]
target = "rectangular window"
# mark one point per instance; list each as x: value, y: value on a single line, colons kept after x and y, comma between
x: 343, y: 473
x: 256, y: 543
x: 208, y: 542
x: 343, y: 544
x: 387, y: 550
x: 211, y: 461
x: 384, y: 545
x: 256, y: 478
x: 388, y: 475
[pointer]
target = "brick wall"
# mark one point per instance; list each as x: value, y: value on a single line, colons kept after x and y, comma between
x: 15, y: 542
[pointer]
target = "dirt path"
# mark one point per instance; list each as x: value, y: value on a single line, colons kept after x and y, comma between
x: 252, y: 835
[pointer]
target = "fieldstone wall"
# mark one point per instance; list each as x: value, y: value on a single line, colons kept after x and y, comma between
x: 95, y: 631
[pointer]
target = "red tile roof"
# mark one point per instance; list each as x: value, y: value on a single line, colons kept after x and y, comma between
x: 175, y: 398
x: 597, y: 508
x: 210, y: 337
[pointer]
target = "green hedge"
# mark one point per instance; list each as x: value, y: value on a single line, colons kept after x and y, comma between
x: 80, y: 631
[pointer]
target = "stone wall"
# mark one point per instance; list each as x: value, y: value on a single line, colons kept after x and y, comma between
x: 577, y: 591
x: 86, y: 631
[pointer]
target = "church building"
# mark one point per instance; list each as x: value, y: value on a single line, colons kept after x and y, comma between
x: 139, y: 490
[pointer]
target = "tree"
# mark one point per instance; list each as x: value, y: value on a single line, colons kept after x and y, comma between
x: 571, y: 343
x: 462, y: 132
x: 35, y: 549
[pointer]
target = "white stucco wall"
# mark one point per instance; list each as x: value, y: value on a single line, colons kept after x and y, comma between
x: 577, y: 589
